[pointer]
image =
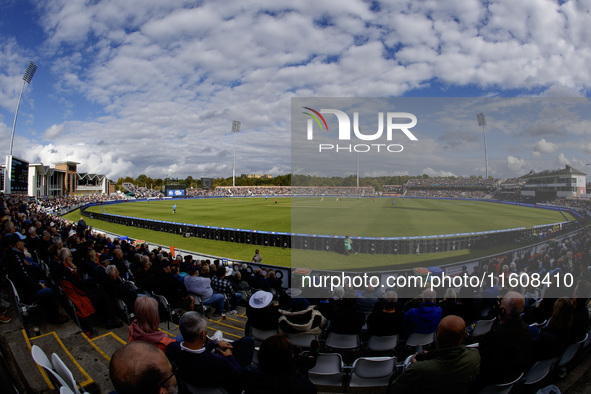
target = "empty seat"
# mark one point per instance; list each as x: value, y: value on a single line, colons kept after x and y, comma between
x: 372, y: 371
x: 328, y: 370
x: 382, y: 343
x: 501, y: 388
x: 570, y: 352
x: 64, y: 372
x: 22, y: 307
x: 301, y: 340
x: 538, y: 371
x: 342, y: 341
x: 41, y: 359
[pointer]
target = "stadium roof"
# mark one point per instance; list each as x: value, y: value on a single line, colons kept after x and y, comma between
x: 568, y: 170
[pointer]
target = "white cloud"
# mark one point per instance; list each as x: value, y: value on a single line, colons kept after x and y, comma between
x: 516, y: 165
x: 544, y: 147
x: 154, y: 86
x: 435, y: 173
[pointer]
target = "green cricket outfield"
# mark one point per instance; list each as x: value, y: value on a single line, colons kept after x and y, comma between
x: 356, y: 217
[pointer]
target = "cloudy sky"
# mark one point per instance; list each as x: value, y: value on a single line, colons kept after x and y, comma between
x: 130, y: 87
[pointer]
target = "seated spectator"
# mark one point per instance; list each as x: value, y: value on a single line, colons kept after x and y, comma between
x: 140, y: 367
x: 208, y: 364
x: 168, y: 286
x: 29, y: 288
x: 451, y: 368
x: 368, y: 300
x: 554, y: 337
x: 425, y: 318
x: 506, y: 351
x: 388, y: 320
x: 145, y: 325
x: 301, y: 318
x: 201, y: 287
x: 275, y: 283
x: 145, y: 277
x: 117, y: 288
x: 259, y: 282
x: 223, y: 286
x: 581, y: 313
x: 246, y: 273
x: 277, y: 371
x: 79, y: 290
x: 345, y: 318
x: 261, y: 312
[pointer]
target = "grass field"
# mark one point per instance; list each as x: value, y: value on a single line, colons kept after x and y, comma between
x: 350, y: 216
x: 356, y: 217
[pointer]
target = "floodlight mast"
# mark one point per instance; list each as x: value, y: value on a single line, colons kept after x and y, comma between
x: 482, y: 122
x: 27, y: 77
x: 235, y: 129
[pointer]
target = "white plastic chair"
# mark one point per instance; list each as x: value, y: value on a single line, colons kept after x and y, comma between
x: 328, y: 370
x: 419, y: 340
x: 41, y: 359
x: 22, y: 307
x: 372, y: 371
x: 501, y: 388
x: 482, y: 327
x: 66, y: 390
x: 538, y: 371
x: 588, y: 340
x: 261, y: 335
x: 64, y: 372
x: 342, y: 341
x: 301, y: 340
x: 382, y: 343
x: 570, y: 352
x: 205, y: 390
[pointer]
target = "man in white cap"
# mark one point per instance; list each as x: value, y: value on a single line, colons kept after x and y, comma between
x: 261, y: 312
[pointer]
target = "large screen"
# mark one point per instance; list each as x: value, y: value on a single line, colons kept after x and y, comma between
x: 17, y: 181
x: 175, y: 192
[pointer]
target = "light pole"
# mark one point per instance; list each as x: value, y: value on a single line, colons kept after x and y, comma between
x: 357, y: 153
x: 235, y: 129
x: 482, y: 122
x: 27, y: 77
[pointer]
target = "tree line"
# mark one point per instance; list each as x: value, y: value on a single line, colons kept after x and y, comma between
x: 280, y: 180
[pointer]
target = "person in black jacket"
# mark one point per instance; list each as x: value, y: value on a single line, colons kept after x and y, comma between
x: 277, y: 370
x: 171, y: 288
x: 29, y: 288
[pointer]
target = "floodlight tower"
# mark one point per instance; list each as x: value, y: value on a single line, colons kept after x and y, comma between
x: 482, y: 122
x: 27, y: 77
x: 235, y: 129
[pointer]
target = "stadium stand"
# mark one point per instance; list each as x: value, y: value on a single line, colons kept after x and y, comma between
x: 145, y: 270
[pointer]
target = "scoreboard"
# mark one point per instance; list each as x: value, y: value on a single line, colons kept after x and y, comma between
x: 16, y: 177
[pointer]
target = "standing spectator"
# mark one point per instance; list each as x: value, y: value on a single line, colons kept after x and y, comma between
x: 257, y: 257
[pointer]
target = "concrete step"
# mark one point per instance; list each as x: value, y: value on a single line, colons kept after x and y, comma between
x: 87, y: 357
